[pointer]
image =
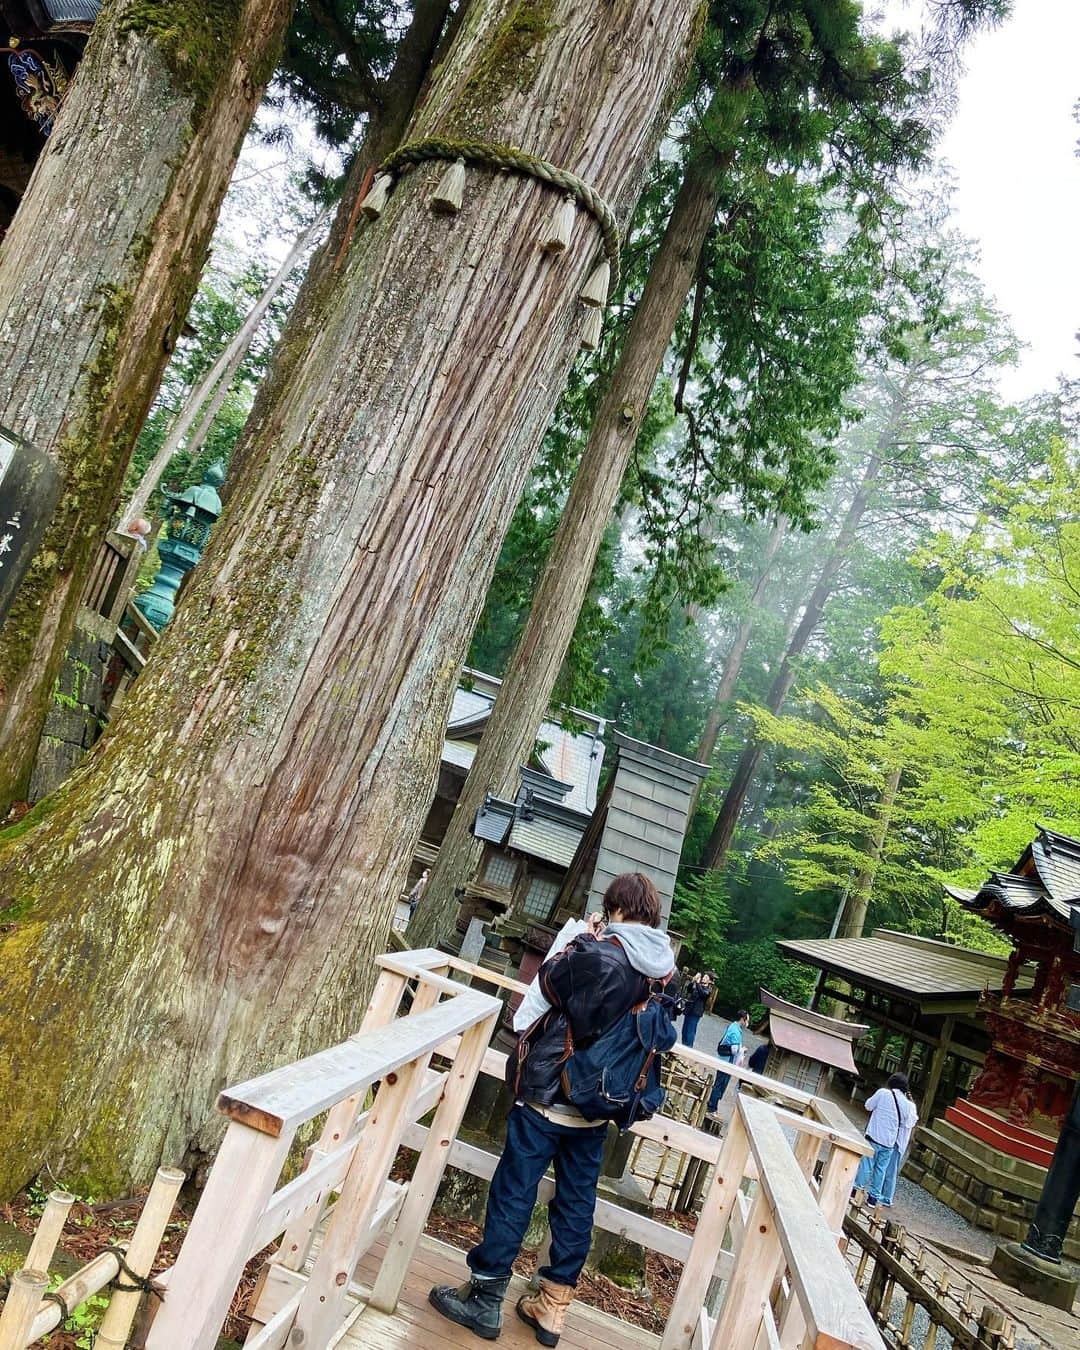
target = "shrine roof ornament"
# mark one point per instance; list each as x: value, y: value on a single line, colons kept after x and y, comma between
x: 1044, y: 881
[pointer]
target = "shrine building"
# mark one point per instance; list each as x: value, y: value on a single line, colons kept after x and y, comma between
x: 43, y: 41
x: 569, y: 829
x: 991, y: 1043
x: 987, y: 1158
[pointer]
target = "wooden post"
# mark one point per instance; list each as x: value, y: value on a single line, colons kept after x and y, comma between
x: 50, y: 1226
x: 880, y: 1282
x: 124, y: 1304
x: 933, y: 1073
x: 431, y: 1165
x: 20, y: 1306
x: 708, y: 1237
x: 295, y: 1244
x: 76, y: 1289
x: 218, y: 1242
x: 748, y: 1290
x: 836, y: 1183
x: 993, y: 1327
x: 322, y: 1303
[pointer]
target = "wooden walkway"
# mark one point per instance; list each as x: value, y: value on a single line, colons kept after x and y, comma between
x: 416, y: 1323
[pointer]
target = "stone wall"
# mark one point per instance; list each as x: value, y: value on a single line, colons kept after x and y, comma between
x: 982, y: 1185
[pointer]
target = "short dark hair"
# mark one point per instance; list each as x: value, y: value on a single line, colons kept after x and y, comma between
x: 741, y: 1014
x: 634, y: 895
x: 899, y: 1081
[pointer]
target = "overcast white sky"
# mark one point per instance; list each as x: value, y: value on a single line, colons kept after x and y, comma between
x: 1012, y: 147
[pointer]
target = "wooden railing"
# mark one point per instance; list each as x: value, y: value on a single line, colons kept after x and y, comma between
x: 768, y: 1229
x: 899, y: 1278
x: 112, y: 575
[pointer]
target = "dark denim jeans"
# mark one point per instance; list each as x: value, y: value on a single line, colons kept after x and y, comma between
x: 689, y: 1028
x: 719, y: 1086
x: 533, y: 1143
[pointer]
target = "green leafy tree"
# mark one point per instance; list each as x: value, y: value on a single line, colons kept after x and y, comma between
x: 748, y: 967
x: 701, y: 913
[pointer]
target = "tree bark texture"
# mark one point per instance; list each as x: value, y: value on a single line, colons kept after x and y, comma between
x: 727, y: 818
x: 525, y: 695
x: 393, y: 104
x: 96, y: 276
x: 202, y: 899
x: 853, y: 919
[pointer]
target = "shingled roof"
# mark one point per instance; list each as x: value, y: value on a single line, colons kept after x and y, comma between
x: 914, y: 969
x: 572, y: 758
x: 1045, y: 880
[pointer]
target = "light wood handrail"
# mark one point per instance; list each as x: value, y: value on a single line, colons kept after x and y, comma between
x: 280, y: 1101
x: 785, y: 1224
x: 828, y: 1297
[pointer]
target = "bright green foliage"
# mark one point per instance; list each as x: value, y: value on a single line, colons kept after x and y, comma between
x: 701, y: 913
x: 986, y: 674
x: 748, y: 967
x: 981, y: 708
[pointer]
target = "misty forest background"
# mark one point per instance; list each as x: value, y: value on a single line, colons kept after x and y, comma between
x: 841, y: 559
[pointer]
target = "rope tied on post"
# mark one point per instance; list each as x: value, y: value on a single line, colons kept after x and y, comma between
x: 140, y: 1284
x: 51, y: 1296
x: 509, y: 159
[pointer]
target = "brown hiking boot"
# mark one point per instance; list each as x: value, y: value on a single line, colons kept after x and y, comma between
x: 546, y: 1311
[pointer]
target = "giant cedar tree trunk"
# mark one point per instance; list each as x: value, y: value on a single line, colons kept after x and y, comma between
x: 394, y: 104
x: 96, y: 276
x: 523, y: 699
x: 853, y: 919
x: 723, y: 830
x: 203, y: 897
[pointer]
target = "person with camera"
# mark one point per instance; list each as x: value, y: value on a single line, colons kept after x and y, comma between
x: 617, y: 966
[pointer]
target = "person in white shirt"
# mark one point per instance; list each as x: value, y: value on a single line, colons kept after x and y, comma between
x: 893, y: 1117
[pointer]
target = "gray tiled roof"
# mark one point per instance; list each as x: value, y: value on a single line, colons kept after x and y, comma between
x: 1057, y: 861
x: 910, y: 968
x: 551, y: 840
x: 1056, y: 883
x: 459, y: 753
x: 575, y: 758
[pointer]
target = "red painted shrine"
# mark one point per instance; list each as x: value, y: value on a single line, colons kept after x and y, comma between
x: 1019, y: 1100
x: 988, y: 1157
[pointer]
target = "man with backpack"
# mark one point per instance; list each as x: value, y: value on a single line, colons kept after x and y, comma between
x: 598, y: 1044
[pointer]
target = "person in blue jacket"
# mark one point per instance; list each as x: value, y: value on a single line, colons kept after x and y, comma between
x: 730, y: 1044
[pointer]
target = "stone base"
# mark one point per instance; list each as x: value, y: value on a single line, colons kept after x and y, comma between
x: 1036, y: 1278
x: 76, y: 713
x: 983, y: 1186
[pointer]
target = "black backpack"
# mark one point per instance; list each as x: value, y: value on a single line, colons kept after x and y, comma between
x: 617, y: 1076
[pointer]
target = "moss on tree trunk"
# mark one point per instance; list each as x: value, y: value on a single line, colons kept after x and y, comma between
x: 96, y: 276
x: 205, y: 895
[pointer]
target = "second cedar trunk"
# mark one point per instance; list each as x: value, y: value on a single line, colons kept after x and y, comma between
x: 217, y: 879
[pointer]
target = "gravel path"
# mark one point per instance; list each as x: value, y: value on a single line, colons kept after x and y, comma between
x: 926, y: 1217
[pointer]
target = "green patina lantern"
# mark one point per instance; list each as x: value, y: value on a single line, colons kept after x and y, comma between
x: 189, y: 517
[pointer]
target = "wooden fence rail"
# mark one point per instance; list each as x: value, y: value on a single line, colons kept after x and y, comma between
x: 32, y: 1311
x: 768, y: 1231
x: 897, y: 1278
